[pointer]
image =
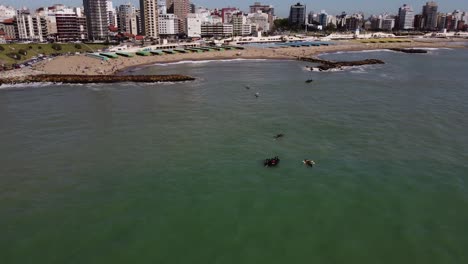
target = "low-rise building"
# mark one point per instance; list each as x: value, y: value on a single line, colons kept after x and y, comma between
x: 8, y: 27
x: 217, y: 30
x: 2, y: 37
x: 388, y: 24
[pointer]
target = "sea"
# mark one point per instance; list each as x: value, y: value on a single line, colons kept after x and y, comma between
x: 173, y: 172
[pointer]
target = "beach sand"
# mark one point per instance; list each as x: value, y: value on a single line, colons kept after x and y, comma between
x: 83, y: 65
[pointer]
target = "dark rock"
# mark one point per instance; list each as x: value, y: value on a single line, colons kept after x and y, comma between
x: 326, y: 65
x: 56, y: 78
x: 410, y: 50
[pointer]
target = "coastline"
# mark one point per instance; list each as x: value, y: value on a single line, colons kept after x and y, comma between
x: 130, y: 69
x: 83, y: 65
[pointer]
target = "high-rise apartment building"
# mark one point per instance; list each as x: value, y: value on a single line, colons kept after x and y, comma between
x: 162, y: 8
x: 297, y: 14
x: 30, y: 27
x: 405, y: 17
x: 227, y: 13
x: 442, y: 22
x: 70, y: 25
x: 127, y: 18
x: 194, y: 22
x: 7, y: 12
x: 149, y: 18
x: 192, y: 8
x: 260, y: 21
x: 323, y: 18
x: 238, y: 20
x: 267, y: 9
x: 457, y: 18
x: 111, y: 14
x: 430, y: 15
x: 168, y: 25
x: 180, y: 8
x: 96, y: 19
x: 312, y: 17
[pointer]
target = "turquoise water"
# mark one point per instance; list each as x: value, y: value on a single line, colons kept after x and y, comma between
x: 172, y: 173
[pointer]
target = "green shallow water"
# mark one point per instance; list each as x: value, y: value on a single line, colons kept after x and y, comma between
x: 172, y: 173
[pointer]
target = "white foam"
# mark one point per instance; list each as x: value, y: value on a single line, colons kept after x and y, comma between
x: 429, y: 49
x: 353, y: 69
x: 360, y: 70
x: 205, y: 61
x: 28, y: 85
x: 314, y: 69
x: 355, y: 51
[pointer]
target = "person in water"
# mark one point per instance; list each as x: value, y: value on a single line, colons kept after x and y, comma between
x: 279, y: 136
x: 309, y: 163
x: 271, y: 162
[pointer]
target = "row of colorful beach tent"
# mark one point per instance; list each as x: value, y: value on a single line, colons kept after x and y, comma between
x: 110, y: 55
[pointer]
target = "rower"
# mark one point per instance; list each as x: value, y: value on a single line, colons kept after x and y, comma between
x: 279, y: 136
x: 309, y: 163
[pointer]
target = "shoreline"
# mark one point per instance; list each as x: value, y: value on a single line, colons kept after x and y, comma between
x: 317, y: 53
x: 83, y: 65
x: 130, y: 68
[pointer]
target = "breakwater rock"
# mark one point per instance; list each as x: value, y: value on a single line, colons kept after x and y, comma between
x: 52, y: 78
x: 326, y: 65
x: 410, y: 50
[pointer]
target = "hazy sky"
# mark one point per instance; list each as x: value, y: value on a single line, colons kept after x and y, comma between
x: 282, y: 6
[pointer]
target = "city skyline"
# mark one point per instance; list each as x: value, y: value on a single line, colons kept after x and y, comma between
x: 281, y: 6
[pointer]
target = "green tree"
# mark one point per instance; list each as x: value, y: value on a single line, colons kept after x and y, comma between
x: 14, y: 56
x: 56, y: 46
x: 281, y: 24
x: 22, y: 52
x: 331, y: 27
x: 77, y: 46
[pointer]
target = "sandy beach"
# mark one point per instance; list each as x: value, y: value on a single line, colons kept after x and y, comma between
x: 83, y: 65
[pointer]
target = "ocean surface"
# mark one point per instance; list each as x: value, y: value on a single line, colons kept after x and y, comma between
x: 172, y: 173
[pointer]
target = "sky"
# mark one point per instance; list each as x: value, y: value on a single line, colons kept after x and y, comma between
x: 282, y: 6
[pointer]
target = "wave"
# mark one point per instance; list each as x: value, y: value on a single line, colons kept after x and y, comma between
x: 377, y: 50
x: 352, y: 69
x: 28, y: 85
x: 430, y: 49
x: 205, y: 61
x: 355, y: 51
x: 314, y: 69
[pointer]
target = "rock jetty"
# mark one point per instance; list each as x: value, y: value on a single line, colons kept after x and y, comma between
x: 326, y: 65
x: 410, y: 50
x: 41, y: 78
